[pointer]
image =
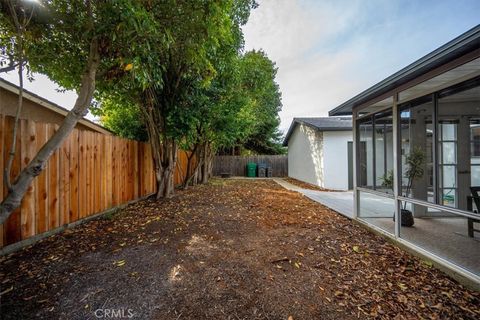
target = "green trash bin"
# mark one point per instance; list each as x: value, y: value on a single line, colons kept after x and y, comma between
x: 251, y: 169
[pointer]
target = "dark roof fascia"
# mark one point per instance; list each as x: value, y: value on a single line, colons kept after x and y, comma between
x: 296, y: 122
x: 463, y: 44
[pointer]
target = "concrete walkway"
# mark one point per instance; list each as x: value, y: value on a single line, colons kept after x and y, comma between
x: 340, y: 201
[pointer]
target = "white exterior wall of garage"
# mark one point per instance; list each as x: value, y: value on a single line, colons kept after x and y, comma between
x: 335, y: 150
x: 319, y: 157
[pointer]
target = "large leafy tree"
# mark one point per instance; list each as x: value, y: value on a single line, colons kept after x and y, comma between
x: 213, y: 98
x: 81, y: 45
x: 218, y: 119
x: 200, y: 33
x: 195, y: 28
x: 258, y: 81
x: 196, y: 101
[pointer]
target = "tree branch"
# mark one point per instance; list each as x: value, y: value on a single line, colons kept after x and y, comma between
x: 9, y: 68
x: 20, y: 30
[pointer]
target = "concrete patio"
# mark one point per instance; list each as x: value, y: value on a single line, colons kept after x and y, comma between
x: 340, y: 201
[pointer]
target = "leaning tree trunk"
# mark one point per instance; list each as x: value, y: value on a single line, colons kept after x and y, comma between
x: 192, y: 166
x: 15, y: 195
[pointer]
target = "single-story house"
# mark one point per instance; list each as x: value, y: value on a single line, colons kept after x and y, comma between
x: 38, y: 109
x: 320, y: 151
x: 423, y: 119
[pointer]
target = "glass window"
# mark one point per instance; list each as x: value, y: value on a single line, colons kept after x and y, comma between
x: 444, y: 234
x: 449, y: 132
x: 458, y: 144
x: 377, y: 210
x: 384, y: 152
x: 365, y: 153
x: 475, y: 151
x: 416, y: 135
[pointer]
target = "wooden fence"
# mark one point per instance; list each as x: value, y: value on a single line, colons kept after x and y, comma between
x: 236, y: 165
x: 90, y: 173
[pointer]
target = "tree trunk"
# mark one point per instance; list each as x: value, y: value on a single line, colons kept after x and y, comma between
x: 169, y: 161
x: 20, y: 186
x: 191, y: 168
x: 206, y: 163
x: 164, y: 149
x: 210, y: 164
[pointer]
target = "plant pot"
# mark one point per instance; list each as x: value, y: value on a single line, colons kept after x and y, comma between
x: 406, y: 218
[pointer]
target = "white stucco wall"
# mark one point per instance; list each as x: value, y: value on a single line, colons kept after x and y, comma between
x: 305, y: 155
x: 335, y: 151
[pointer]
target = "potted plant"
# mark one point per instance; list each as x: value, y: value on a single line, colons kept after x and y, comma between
x: 415, y: 163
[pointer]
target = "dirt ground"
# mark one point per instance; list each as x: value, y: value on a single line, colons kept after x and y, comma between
x: 232, y: 249
x: 306, y: 185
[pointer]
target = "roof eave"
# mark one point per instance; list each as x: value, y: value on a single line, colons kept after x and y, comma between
x: 296, y: 122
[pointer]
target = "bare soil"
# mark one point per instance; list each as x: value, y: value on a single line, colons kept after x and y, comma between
x: 232, y: 249
x: 306, y: 185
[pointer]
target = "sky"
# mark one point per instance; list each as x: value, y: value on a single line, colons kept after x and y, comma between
x: 327, y: 51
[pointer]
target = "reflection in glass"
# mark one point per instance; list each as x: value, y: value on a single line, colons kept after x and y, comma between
x: 449, y: 132
x: 458, y: 144
x: 448, y: 151
x: 384, y: 152
x: 475, y: 152
x: 366, y: 154
x: 475, y: 179
x: 377, y: 210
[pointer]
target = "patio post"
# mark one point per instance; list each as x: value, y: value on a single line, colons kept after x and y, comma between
x: 355, y: 165
x: 397, y: 174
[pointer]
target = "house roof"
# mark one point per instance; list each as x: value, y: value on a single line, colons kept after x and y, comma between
x: 321, y: 124
x: 463, y: 44
x: 7, y: 85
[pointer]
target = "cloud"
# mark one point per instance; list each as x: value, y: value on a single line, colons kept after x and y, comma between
x: 300, y: 38
x: 328, y: 51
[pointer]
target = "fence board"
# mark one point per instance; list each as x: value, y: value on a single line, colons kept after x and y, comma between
x: 90, y: 165
x: 97, y: 174
x: 41, y: 204
x: 74, y: 212
x: 82, y: 176
x: 124, y: 171
x: 2, y: 147
x: 64, y: 188
x: 136, y: 172
x: 109, y: 176
x: 53, y: 184
x: 28, y: 147
x: 114, y: 173
x: 236, y: 165
x: 102, y: 173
